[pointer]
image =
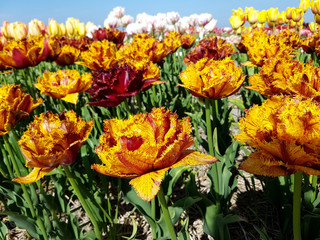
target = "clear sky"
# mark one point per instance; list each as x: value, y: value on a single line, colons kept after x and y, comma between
x: 97, y: 10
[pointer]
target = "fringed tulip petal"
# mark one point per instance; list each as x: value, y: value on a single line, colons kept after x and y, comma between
x: 144, y: 147
x: 148, y: 185
x: 33, y: 176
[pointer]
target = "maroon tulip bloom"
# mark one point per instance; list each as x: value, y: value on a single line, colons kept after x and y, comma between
x: 111, y: 87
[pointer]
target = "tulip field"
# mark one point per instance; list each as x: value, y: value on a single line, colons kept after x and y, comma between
x: 163, y: 128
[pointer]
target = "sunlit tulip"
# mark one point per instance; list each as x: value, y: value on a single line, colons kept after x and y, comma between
x: 297, y: 14
x: 210, y: 48
x: 317, y: 18
x: 315, y: 6
x: 15, y: 105
x: 126, y: 20
x: 17, y: 30
x: 81, y: 29
x: 101, y: 55
x: 272, y: 14
x: 64, y: 84
x: 289, y: 13
x: 54, y: 28
x: 236, y: 22
x: 63, y: 29
x: 262, y: 16
x: 35, y: 28
x: 111, y: 22
x: 253, y: 16
x: 286, y: 133
x: 304, y: 5
x: 4, y: 29
x: 212, y: 79
x: 112, y: 86
x: 25, y: 53
x: 71, y: 27
x: 145, y: 147
x: 211, y: 26
x: 143, y: 47
x: 282, y: 19
x: 68, y: 55
x: 287, y: 77
x: 173, y: 17
x: 52, y: 140
x: 118, y: 12
x: 313, y: 27
x: 204, y: 19
x: 187, y: 41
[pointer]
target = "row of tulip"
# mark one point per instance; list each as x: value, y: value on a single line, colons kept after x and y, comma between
x: 129, y: 84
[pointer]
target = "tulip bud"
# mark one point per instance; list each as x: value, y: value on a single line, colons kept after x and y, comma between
x: 81, y: 29
x: 304, y: 5
x: 272, y: 14
x: 317, y: 18
x: 297, y: 14
x: 34, y: 27
x: 18, y: 30
x: 262, y: 16
x: 289, y: 13
x: 4, y: 29
x: 63, y: 30
x: 281, y: 18
x: 253, y: 16
x: 315, y: 6
x: 236, y: 22
x: 54, y: 28
x: 313, y: 27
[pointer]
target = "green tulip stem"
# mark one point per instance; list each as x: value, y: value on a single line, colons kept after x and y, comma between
x: 138, y: 98
x: 210, y: 142
x: 153, y: 216
x: 166, y: 214
x: 24, y: 189
x: 297, y: 206
x: 74, y: 184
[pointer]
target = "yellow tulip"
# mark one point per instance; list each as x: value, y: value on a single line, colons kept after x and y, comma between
x: 304, y: 5
x: 34, y: 27
x: 317, y: 18
x: 63, y: 30
x: 272, y: 14
x: 289, y: 13
x: 282, y: 19
x: 313, y: 27
x: 297, y: 14
x: 315, y: 6
x: 262, y: 16
x: 253, y: 16
x: 54, y: 28
x: 81, y: 29
x: 236, y: 22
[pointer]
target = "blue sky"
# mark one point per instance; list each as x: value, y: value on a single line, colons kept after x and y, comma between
x: 97, y: 10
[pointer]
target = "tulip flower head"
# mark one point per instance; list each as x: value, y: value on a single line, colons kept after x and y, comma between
x: 52, y: 140
x: 213, y: 79
x: 15, y: 105
x: 64, y: 84
x: 286, y: 133
x: 145, y: 147
x: 111, y: 87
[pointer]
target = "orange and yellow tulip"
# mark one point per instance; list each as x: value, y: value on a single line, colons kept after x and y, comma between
x: 52, y: 140
x: 64, y: 84
x: 212, y: 79
x: 15, y: 105
x: 145, y: 147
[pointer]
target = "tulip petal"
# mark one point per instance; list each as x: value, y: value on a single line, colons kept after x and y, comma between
x: 193, y: 158
x: 71, y: 98
x: 112, y: 171
x: 147, y: 185
x: 263, y: 163
x: 33, y: 176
